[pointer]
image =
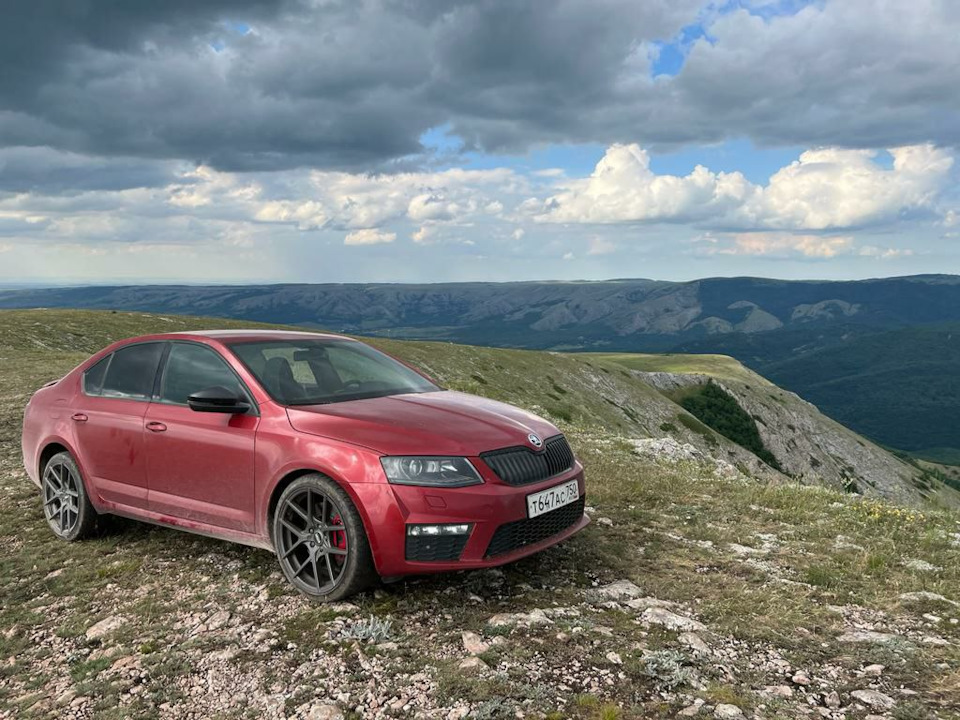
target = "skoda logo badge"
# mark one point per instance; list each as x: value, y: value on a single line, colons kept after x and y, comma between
x: 534, y: 440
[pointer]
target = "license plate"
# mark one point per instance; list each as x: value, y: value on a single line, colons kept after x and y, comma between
x: 552, y: 498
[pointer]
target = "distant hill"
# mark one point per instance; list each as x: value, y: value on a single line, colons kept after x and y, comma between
x: 879, y: 355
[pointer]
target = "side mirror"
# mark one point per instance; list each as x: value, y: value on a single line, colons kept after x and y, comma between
x: 218, y: 400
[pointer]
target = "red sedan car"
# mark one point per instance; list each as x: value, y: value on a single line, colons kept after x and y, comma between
x: 344, y: 461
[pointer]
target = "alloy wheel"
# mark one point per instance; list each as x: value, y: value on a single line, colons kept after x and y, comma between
x: 312, y: 540
x: 61, y: 497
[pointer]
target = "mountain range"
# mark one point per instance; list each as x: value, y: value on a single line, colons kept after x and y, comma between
x: 881, y: 356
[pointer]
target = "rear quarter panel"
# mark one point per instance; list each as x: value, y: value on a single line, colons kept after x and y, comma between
x: 46, y: 420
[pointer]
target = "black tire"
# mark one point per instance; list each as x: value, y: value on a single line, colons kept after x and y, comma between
x: 320, y: 541
x: 66, y: 506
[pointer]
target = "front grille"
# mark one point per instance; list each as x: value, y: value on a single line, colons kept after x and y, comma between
x: 518, y: 534
x: 436, y: 548
x: 522, y: 466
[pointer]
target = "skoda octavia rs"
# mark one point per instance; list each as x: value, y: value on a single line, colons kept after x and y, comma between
x: 344, y: 461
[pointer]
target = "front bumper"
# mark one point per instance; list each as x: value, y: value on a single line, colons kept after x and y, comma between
x: 488, y: 507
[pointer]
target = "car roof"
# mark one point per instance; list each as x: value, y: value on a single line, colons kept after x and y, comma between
x: 253, y: 334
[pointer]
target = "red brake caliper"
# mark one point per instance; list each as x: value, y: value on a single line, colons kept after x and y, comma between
x: 338, y: 537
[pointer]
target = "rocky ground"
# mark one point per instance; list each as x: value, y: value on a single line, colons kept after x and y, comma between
x: 721, y: 598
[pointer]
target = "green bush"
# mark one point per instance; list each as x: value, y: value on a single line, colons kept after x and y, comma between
x: 717, y: 409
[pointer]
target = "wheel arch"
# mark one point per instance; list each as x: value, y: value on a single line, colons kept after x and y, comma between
x: 56, y: 444
x: 291, y: 475
x: 53, y: 447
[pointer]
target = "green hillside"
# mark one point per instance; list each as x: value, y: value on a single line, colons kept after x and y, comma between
x: 901, y: 388
x: 694, y: 587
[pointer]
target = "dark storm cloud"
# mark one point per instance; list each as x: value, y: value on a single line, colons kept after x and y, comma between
x: 45, y: 170
x: 353, y: 85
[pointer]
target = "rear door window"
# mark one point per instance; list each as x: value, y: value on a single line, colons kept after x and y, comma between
x: 133, y: 371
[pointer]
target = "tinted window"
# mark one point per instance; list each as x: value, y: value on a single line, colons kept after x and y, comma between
x: 93, y: 378
x: 191, y: 368
x: 132, y: 371
x: 311, y: 372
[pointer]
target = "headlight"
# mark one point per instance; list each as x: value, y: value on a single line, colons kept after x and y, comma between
x: 431, y: 471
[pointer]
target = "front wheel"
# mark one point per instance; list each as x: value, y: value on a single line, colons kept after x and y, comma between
x: 320, y: 541
x: 66, y: 506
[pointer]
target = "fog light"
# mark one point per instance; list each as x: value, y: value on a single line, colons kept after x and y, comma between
x: 421, y: 530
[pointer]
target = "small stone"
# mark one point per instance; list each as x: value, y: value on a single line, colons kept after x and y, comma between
x: 387, y: 647
x: 473, y: 665
x: 343, y: 608
x: 646, y: 602
x: 105, y: 627
x: 832, y: 700
x: 921, y: 566
x: 614, y: 658
x: 605, y: 521
x: 671, y: 621
x: 923, y: 595
x: 66, y: 697
x: 694, y: 642
x: 53, y: 574
x: 842, y: 542
x: 868, y: 636
x: 780, y: 691
x: 217, y: 620
x: 227, y: 654
x: 618, y: 590
x: 691, y: 711
x: 874, y: 699
x: 935, y: 641
x: 473, y: 643
x: 801, y: 678
x: 874, y: 670
x: 744, y: 550
x: 725, y: 711
x: 534, y: 617
x: 324, y: 711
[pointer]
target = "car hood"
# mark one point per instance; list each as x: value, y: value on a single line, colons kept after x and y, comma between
x: 434, y: 423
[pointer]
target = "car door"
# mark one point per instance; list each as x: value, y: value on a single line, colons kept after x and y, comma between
x: 200, y: 465
x: 108, y: 417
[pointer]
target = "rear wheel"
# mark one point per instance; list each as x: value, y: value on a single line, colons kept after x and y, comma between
x: 65, y: 503
x: 320, y: 540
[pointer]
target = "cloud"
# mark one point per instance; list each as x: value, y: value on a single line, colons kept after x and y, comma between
x: 622, y: 188
x: 824, y: 189
x: 782, y: 244
x: 787, y: 245
x: 369, y: 236
x: 884, y: 253
x: 355, y: 85
x: 834, y: 188
x: 601, y: 246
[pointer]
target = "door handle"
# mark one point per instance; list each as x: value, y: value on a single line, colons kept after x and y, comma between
x: 78, y: 417
x: 155, y: 426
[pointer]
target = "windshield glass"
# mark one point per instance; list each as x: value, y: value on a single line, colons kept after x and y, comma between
x: 315, y: 372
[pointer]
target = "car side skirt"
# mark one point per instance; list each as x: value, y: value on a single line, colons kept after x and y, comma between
x: 176, y: 523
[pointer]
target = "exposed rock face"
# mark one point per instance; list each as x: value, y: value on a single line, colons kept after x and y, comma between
x: 809, y: 446
x: 824, y: 310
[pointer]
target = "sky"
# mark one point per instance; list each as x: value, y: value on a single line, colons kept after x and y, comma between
x: 235, y: 141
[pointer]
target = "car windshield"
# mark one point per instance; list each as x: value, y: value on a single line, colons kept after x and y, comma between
x: 320, y: 371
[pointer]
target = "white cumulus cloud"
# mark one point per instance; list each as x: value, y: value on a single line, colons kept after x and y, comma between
x: 825, y: 189
x: 369, y: 236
